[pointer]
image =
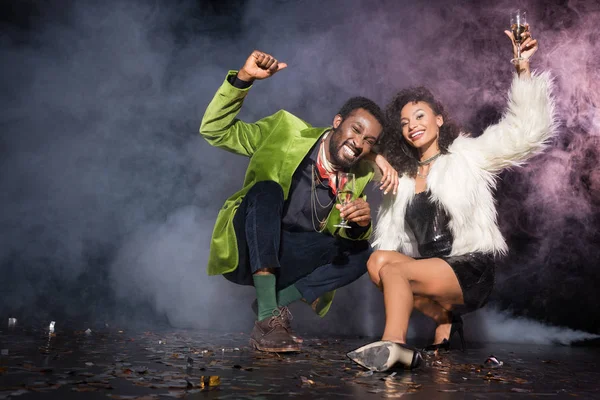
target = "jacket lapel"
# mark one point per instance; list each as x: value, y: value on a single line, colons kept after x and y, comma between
x: 297, y: 149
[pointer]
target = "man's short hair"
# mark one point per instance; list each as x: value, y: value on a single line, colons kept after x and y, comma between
x: 368, y: 105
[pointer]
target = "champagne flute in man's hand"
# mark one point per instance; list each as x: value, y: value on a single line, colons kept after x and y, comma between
x: 345, y: 192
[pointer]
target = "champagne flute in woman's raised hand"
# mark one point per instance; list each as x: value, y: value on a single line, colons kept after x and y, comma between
x: 518, y: 26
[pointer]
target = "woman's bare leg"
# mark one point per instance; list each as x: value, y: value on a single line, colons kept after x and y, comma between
x: 435, y: 311
x: 430, y: 278
x: 379, y: 258
x: 429, y: 284
x: 426, y: 304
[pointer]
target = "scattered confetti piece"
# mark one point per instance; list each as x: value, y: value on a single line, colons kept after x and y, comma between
x: 519, y: 390
x: 493, y: 362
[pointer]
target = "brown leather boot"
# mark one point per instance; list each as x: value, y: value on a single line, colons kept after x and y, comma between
x: 286, y: 314
x: 271, y: 335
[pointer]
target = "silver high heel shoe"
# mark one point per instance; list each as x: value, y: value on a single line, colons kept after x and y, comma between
x: 383, y: 355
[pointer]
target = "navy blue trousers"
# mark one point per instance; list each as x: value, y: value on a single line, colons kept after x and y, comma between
x: 314, y: 262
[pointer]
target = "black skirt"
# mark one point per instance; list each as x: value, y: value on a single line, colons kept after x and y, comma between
x: 476, y: 274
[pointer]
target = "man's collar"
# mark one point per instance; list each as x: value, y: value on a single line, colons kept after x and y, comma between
x: 325, y: 162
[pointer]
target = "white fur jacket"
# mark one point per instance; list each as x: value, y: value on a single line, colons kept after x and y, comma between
x: 462, y: 180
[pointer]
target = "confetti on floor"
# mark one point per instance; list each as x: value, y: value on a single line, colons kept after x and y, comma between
x: 116, y: 363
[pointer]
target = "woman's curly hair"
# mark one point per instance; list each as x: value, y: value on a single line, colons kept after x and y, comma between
x: 392, y: 145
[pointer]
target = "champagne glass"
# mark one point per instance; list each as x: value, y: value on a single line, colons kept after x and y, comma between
x: 345, y: 191
x: 518, y: 26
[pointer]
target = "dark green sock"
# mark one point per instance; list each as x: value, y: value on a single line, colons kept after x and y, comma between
x: 288, y: 295
x: 265, y: 295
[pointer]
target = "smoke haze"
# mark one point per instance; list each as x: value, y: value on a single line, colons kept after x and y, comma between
x: 109, y: 195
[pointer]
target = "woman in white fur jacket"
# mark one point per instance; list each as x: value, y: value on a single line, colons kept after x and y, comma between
x: 437, y: 238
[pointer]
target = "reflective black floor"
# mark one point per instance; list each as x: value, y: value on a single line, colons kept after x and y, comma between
x: 122, y: 364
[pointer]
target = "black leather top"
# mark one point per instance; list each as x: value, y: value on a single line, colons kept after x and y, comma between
x: 429, y: 223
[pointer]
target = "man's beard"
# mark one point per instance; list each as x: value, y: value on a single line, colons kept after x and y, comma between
x: 334, y: 152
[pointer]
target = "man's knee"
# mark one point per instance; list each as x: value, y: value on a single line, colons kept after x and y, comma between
x: 356, y: 264
x: 265, y: 195
x: 266, y: 188
x: 360, y: 269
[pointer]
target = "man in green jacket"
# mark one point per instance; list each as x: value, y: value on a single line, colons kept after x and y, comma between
x: 277, y: 233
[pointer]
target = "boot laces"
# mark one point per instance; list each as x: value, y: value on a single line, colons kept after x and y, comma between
x: 277, y: 319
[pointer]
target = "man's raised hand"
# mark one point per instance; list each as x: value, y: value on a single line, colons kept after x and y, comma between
x: 260, y: 65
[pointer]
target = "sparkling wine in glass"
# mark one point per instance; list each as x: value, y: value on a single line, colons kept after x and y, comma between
x: 518, y: 26
x: 345, y: 191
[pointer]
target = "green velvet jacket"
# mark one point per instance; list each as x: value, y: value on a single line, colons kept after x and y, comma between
x: 275, y: 145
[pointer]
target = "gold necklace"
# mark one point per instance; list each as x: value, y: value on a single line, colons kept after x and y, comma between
x: 420, y: 175
x: 314, y: 200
